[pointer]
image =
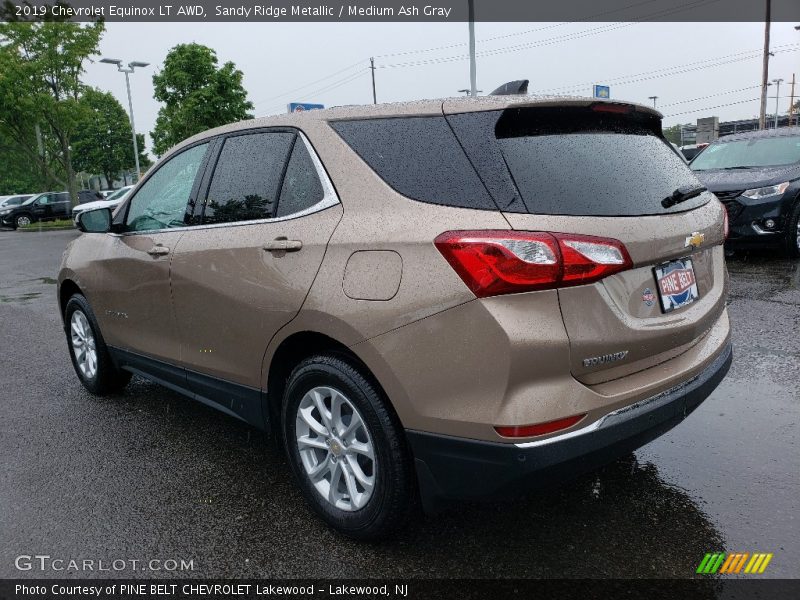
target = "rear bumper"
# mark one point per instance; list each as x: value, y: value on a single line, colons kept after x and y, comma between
x: 459, y: 468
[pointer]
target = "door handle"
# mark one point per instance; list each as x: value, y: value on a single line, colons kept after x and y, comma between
x: 283, y: 245
x: 158, y: 250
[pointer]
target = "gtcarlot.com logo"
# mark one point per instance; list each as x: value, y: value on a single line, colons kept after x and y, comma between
x: 734, y: 563
x: 45, y: 562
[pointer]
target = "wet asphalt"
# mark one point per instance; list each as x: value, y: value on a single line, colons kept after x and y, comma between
x: 151, y: 475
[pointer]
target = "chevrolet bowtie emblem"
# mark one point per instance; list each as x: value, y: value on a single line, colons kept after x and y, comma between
x: 695, y: 240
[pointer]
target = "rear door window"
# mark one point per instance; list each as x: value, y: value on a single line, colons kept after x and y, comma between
x: 246, y: 181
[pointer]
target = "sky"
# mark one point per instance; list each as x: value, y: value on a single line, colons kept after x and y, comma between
x: 693, y: 68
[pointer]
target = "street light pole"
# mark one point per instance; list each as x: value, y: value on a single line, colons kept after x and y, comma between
x: 777, y: 98
x: 653, y: 98
x: 128, y: 70
x: 473, y: 80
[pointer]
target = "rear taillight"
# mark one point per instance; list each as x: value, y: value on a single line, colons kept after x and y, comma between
x: 496, y: 262
x: 519, y: 431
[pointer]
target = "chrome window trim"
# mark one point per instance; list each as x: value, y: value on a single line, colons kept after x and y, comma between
x: 329, y: 199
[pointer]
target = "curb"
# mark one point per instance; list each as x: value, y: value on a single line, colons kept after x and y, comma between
x: 43, y: 229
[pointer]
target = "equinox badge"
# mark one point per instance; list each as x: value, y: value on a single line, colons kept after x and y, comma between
x: 606, y: 358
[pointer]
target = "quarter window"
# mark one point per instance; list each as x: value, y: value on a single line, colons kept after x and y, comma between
x: 419, y: 157
x: 301, y: 186
x: 247, y: 178
x: 161, y: 201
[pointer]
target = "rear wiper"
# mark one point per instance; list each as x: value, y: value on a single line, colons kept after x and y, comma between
x: 682, y: 194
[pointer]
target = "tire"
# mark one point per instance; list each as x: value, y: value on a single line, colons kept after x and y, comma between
x: 22, y: 221
x: 367, y: 513
x: 99, y: 376
x: 793, y: 232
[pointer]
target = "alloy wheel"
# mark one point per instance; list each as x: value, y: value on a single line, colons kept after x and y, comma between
x: 336, y: 448
x: 83, y: 344
x: 23, y: 221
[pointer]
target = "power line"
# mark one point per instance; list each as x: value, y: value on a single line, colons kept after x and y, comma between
x: 750, y: 87
x: 516, y: 33
x: 554, y: 40
x: 509, y: 49
x: 675, y: 69
x: 312, y: 83
x: 686, y: 112
x: 328, y: 88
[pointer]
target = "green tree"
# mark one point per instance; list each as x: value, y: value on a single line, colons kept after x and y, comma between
x: 102, y: 143
x: 673, y: 134
x: 41, y: 64
x: 18, y: 175
x: 197, y: 95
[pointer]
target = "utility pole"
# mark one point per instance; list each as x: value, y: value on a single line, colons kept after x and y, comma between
x: 791, y: 103
x: 777, y: 98
x: 372, y: 67
x: 653, y: 98
x: 762, y: 115
x: 473, y: 80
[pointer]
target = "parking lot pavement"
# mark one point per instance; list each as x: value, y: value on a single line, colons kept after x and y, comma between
x: 149, y: 474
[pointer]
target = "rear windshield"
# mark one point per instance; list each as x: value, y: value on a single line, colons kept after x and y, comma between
x: 758, y: 152
x: 595, y: 173
x: 576, y: 161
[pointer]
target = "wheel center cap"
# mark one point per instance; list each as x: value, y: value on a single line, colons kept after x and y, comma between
x: 336, y: 447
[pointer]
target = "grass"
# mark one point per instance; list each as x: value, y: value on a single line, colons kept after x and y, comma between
x: 49, y: 225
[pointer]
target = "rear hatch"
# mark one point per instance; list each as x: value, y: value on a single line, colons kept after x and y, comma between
x: 604, y: 169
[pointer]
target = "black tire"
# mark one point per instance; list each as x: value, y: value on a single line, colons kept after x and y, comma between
x: 793, y: 232
x: 22, y: 221
x: 107, y: 379
x: 394, y: 493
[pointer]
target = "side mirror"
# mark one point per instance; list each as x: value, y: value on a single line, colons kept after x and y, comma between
x: 95, y: 221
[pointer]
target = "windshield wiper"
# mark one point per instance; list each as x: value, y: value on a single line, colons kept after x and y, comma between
x: 682, y: 194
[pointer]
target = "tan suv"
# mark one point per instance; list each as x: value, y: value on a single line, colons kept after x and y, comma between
x: 441, y: 300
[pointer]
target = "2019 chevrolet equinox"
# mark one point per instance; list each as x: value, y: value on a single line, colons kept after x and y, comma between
x: 442, y: 300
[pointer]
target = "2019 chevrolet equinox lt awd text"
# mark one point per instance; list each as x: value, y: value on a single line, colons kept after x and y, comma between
x: 440, y: 300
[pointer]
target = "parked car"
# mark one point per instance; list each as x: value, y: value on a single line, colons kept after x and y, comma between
x: 689, y: 151
x: 42, y: 207
x: 756, y: 175
x: 9, y: 201
x: 111, y: 201
x: 445, y: 298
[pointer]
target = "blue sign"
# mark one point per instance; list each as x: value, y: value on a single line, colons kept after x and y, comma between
x: 301, y: 106
x: 602, y: 91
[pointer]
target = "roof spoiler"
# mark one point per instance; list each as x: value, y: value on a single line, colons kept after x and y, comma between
x: 512, y: 88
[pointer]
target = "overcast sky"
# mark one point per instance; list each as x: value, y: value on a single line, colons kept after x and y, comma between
x: 328, y: 62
